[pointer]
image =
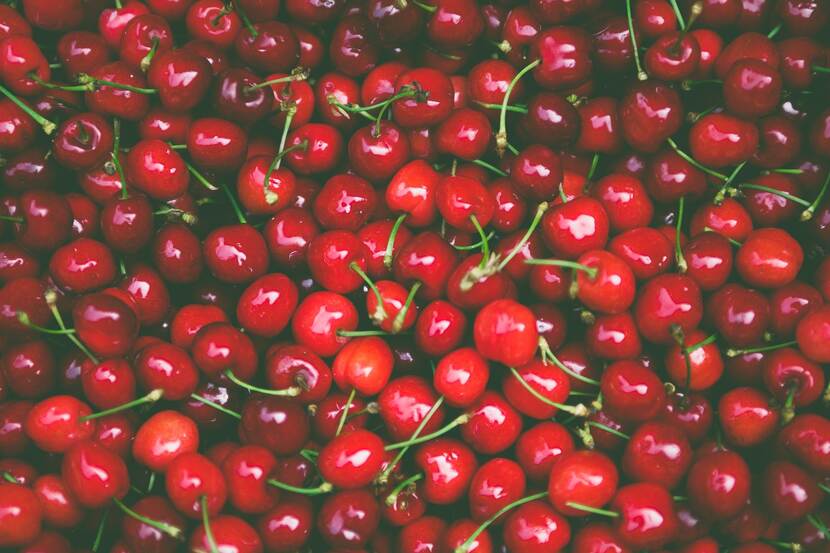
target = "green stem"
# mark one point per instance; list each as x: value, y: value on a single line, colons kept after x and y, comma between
x: 721, y: 194
x: 298, y: 76
x: 679, y: 259
x: 344, y: 416
x: 289, y: 118
x: 392, y: 498
x: 244, y: 17
x: 391, y: 466
x: 390, y: 243
x: 608, y: 429
x: 592, y: 510
x: 456, y: 422
x: 501, y: 136
x: 641, y: 75
x: 51, y: 297
x: 397, y: 323
x: 426, y: 7
x: 116, y: 147
x: 807, y: 214
x: 592, y: 171
x: 575, y: 410
x: 711, y: 339
x: 693, y: 162
x: 775, y: 30
x: 206, y: 523
x: 678, y: 14
x: 787, y: 171
x: 293, y: 391
x: 819, y: 525
x: 475, y: 246
x: 820, y: 69
x: 785, y: 195
x: 172, y: 531
x: 465, y: 547
x: 489, y: 167
x: 323, y: 488
x: 537, y: 218
x: 380, y: 314
x: 485, y: 244
x: 23, y: 318
x: 361, y: 333
x: 9, y: 478
x: 590, y: 271
x: 548, y: 355
x: 131, y: 88
x: 736, y: 352
x: 201, y: 178
x: 216, y: 406
x: 152, y: 397
x: 47, y: 126
x: 513, y: 108
x: 148, y: 59
x: 12, y: 219
x: 99, y: 533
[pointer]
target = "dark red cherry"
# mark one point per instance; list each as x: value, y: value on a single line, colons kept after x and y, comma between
x: 584, y: 477
x: 751, y: 88
x: 575, y: 227
x: 191, y: 481
x: 216, y: 144
x: 143, y: 536
x: 448, y: 466
x: 94, y: 475
x: 632, y: 392
x: 351, y: 460
x: 82, y: 52
x: 718, y: 484
x: 646, y: 250
x: 276, y: 423
x: 82, y: 265
x: 207, y: 20
x: 228, y: 533
x: 83, y: 141
x: 740, y: 315
x: 790, y: 491
x: 288, y: 525
x: 564, y: 57
x: 430, y: 102
x: 769, y: 258
x: 348, y: 518
x: 665, y: 301
x: 718, y: 140
x: 163, y: 366
x: 46, y: 219
x: 353, y: 46
x: 789, y: 304
x: 181, y: 78
x: 21, y: 516
x: 649, y: 114
x: 647, y: 516
x: 657, y: 452
x: 142, y: 35
x: 673, y: 56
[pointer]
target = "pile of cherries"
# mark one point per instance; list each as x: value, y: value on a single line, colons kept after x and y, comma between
x: 413, y: 276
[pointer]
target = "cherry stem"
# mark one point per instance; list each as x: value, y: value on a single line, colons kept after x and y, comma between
x: 592, y: 510
x: 501, y: 136
x: 151, y: 483
x: 787, y: 171
x: 680, y: 339
x: 380, y: 312
x: 547, y: 354
x: 392, y: 498
x: 361, y: 333
x: 97, y: 83
x: 824, y: 487
x: 678, y: 14
x: 216, y: 406
x: 85, y: 87
x: 608, y: 429
x: 397, y: 323
x: 475, y: 246
x: 515, y: 108
x: 148, y: 59
x: 485, y: 243
x: 775, y: 30
x: 206, y: 523
x: 207, y: 184
x: 184, y: 216
x: 116, y: 147
x: 641, y: 75
x: 731, y: 240
x: 344, y: 416
x: 296, y: 75
x: 390, y: 242
x: 9, y: 478
x: 244, y: 17
x: 172, y: 531
x: 807, y: 214
x: 23, y: 318
x: 590, y: 271
x: 99, y: 533
x: 788, y: 409
x: 711, y: 339
x: 293, y: 391
x: 578, y: 410
x: 425, y: 7
x: 51, y: 298
x: 781, y: 193
x: 679, y: 259
x: 12, y: 219
x: 537, y: 218
x: 592, y: 171
x: 270, y: 196
x: 384, y: 476
x: 693, y: 162
x: 323, y: 488
x: 820, y: 69
x: 721, y: 194
x: 47, y: 126
x: 489, y: 167
x: 456, y: 422
x: 465, y: 547
x: 736, y: 352
x: 819, y: 525
x: 406, y: 91
x: 152, y: 397
x: 201, y: 178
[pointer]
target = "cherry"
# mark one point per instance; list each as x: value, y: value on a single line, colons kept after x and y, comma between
x: 57, y: 423
x: 576, y: 227
x: 405, y: 403
x: 177, y: 254
x: 330, y: 411
x: 792, y: 379
x: 803, y: 17
x: 729, y: 219
x: 539, y: 447
x: 94, y: 475
x: 227, y: 532
x: 719, y: 140
x: 646, y: 515
x: 705, y: 364
x: 163, y: 366
x: 318, y: 320
x: 718, y: 484
x: 464, y: 134
x: 409, y: 110
x: 740, y: 315
x: 266, y: 306
x: 674, y: 56
x: 769, y: 258
x: 13, y: 415
x: 598, y: 536
x: 288, y: 234
x: 216, y: 144
x: 502, y: 322
x: 666, y: 301
x: 191, y: 477
x: 324, y: 146
x: 152, y: 528
x: 287, y: 526
x: 547, y: 382
x: 29, y: 368
x: 581, y: 478
x: 275, y: 423
x: 365, y: 364
x: 448, y: 466
x: 21, y: 515
x: 207, y: 20
x: 348, y: 518
x: 789, y: 304
x: 105, y: 324
x: 493, y: 424
x: 790, y: 492
x: 811, y: 333
x: 351, y: 460
x: 649, y: 114
x: 563, y: 57
x: 804, y: 437
x: 345, y: 202
x: 353, y: 48
x: 162, y: 438
x: 657, y: 452
x: 439, y: 328
x: 181, y: 78
x: 60, y: 509
x: 236, y: 254
x: 426, y: 258
x: 632, y: 392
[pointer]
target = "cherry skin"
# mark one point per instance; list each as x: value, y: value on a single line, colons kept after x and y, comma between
x: 288, y: 234
x: 364, y: 364
x: 705, y: 363
x: 29, y: 368
x: 536, y: 172
x: 789, y: 304
x: 547, y: 380
x: 804, y: 437
x: 649, y: 114
x: 790, y: 491
x: 246, y: 471
x: 287, y: 526
x: 575, y: 227
x: 22, y: 515
x: 163, y: 437
x: 336, y: 258
x: 228, y: 533
x: 189, y: 478
x: 345, y: 202
x: 502, y: 322
x: 163, y: 366
x: 236, y: 254
x: 672, y: 57
x: 318, y: 319
x: 584, y: 477
x: 426, y: 258
x: 348, y: 518
x: 181, y: 78
x: 275, y: 423
x: 718, y: 484
x: 769, y: 258
x: 140, y: 535
x: 740, y: 315
x: 461, y: 377
x: 539, y: 447
x: 667, y: 300
x: 94, y: 475
x: 411, y: 112
x: 57, y: 423
x: 788, y: 373
x: 440, y: 328
x: 329, y: 411
x: 493, y: 425
x: 812, y: 333
x: 718, y: 140
x: 657, y: 452
x: 206, y: 20
x: 534, y: 526
x: 404, y: 403
x: 105, y: 324
x: 564, y: 57
x: 710, y: 259
x: 632, y: 392
x: 376, y: 152
x: 266, y: 306
x: 647, y: 517
x: 448, y: 467
x: 351, y: 460
x: 646, y: 250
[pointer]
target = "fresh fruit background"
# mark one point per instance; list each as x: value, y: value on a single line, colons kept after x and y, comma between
x: 414, y: 276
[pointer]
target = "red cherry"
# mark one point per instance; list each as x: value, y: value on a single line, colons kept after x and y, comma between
x: 276, y: 423
x: 351, y: 460
x: 739, y: 315
x: 657, y: 452
x: 493, y: 424
x: 21, y: 515
x: 705, y: 362
x: 647, y: 518
x: 141, y: 535
x: 29, y: 368
x: 426, y: 258
x: 164, y: 437
x: 364, y: 364
x: 163, y: 366
x: 535, y: 526
x: 564, y: 57
x: 448, y: 466
x: 105, y: 324
x: 718, y: 484
x: 227, y: 532
x: 404, y: 404
x: 94, y: 475
x: 674, y: 56
x: 434, y: 87
x: 664, y: 301
x: 287, y: 526
x: 812, y: 333
x: 769, y: 258
x: 632, y: 392
x: 505, y: 322
x: 57, y: 423
x: 348, y: 518
x: 586, y: 478
x: 190, y: 478
x: 649, y: 114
